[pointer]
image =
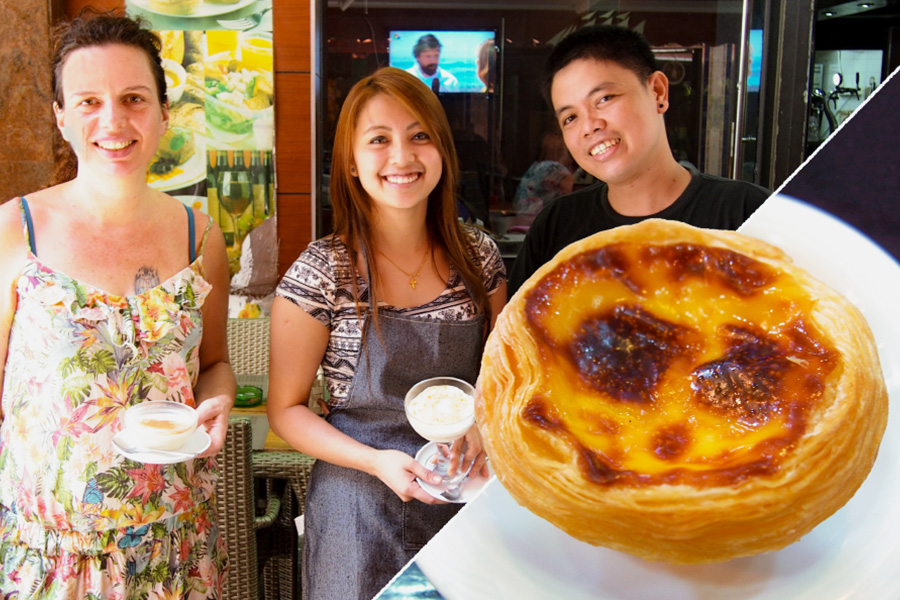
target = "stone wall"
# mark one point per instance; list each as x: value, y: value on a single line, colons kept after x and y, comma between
x: 26, y: 118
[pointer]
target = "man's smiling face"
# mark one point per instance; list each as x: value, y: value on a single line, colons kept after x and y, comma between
x: 610, y: 120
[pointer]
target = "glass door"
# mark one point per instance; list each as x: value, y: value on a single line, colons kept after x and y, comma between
x: 718, y: 60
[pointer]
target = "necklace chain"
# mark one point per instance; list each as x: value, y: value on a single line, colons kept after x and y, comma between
x: 412, y: 276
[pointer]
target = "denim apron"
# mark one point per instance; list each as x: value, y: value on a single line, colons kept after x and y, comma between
x: 359, y: 534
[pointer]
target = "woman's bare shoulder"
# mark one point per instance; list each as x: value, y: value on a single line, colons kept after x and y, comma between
x: 13, y: 250
x: 11, y: 226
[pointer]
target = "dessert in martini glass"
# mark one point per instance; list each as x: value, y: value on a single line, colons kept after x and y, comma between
x: 441, y: 409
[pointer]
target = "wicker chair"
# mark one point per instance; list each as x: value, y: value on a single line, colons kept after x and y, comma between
x: 238, y: 522
x: 285, y: 474
x: 248, y: 346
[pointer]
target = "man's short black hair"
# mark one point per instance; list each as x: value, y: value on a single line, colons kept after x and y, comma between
x: 626, y: 48
x: 426, y: 42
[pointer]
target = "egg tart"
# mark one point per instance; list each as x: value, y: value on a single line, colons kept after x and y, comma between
x: 681, y: 394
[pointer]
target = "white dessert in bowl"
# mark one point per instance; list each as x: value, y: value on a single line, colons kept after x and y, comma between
x: 160, y: 425
x: 441, y: 409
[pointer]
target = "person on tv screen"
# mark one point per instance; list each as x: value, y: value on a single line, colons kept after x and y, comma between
x: 609, y: 98
x: 486, y: 64
x: 427, y: 52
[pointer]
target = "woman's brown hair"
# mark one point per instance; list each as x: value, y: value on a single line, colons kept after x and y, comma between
x: 353, y: 211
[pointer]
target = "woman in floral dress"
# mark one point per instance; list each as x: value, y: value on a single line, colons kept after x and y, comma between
x: 111, y: 294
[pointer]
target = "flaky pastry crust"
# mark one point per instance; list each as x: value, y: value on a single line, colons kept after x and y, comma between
x: 681, y: 394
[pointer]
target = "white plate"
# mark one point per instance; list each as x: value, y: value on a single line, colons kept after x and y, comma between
x: 470, y: 489
x: 228, y: 137
x: 195, y: 445
x: 496, y: 549
x: 192, y: 171
x: 206, y: 9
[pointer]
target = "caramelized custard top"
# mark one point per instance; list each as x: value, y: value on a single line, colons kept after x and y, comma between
x: 673, y: 364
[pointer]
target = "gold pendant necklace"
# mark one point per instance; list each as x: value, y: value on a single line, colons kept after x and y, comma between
x: 412, y: 276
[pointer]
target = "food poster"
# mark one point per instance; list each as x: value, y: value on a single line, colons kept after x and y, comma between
x: 217, y: 155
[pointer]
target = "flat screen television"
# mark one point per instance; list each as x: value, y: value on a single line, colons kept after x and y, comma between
x: 462, y: 55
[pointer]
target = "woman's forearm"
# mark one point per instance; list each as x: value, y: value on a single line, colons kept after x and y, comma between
x: 216, y: 381
x: 311, y: 434
x: 214, y: 397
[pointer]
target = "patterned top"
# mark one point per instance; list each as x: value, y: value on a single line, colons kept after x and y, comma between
x: 319, y: 282
x: 77, y: 358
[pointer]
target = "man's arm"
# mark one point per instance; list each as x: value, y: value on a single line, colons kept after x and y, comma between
x: 529, y: 259
x: 755, y: 199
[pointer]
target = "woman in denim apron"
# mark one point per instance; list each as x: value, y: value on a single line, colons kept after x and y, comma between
x: 401, y: 292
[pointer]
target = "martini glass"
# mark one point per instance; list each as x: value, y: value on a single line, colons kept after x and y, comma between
x: 441, y: 420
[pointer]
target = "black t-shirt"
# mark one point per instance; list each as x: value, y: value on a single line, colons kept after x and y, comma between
x: 708, y: 201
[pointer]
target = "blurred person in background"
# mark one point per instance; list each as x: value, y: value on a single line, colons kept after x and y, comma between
x: 547, y: 178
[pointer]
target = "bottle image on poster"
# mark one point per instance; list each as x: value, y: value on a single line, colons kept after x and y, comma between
x: 218, y: 155
x: 235, y: 195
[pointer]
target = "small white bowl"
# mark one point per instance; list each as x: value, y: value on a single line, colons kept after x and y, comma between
x: 160, y: 424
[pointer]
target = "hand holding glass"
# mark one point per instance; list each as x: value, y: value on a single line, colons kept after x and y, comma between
x: 441, y: 409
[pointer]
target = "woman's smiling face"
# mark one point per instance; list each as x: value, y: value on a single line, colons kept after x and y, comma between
x: 112, y: 116
x: 394, y: 156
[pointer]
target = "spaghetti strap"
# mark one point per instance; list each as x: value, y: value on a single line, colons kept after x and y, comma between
x: 27, y: 224
x: 192, y: 236
x: 192, y: 242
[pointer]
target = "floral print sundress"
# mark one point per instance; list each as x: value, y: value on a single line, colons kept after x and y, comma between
x: 77, y: 520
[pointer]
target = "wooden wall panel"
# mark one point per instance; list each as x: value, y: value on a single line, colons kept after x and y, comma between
x: 292, y: 134
x: 291, y: 33
x: 293, y: 128
x: 293, y: 159
x: 26, y: 117
x: 294, y: 227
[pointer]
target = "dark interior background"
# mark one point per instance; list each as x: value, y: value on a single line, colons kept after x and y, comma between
x: 856, y: 175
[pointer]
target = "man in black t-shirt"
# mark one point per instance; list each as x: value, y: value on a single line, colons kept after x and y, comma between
x: 609, y: 98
